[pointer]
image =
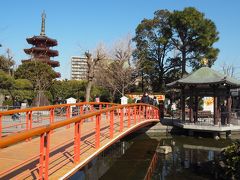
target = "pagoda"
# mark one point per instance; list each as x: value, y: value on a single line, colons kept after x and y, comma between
x: 41, y: 48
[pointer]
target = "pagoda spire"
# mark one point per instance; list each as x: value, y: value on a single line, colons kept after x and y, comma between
x: 43, y: 24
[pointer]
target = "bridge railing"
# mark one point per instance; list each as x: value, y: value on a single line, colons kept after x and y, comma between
x: 16, y: 120
x: 107, y: 125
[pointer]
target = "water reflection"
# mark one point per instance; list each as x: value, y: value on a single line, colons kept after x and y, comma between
x: 191, y: 159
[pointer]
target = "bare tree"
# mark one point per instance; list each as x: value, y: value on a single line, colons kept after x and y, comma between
x: 118, y: 72
x: 92, y: 63
x: 228, y: 69
x: 7, y: 62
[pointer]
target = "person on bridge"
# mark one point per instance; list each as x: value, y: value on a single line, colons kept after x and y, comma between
x: 155, y: 101
x: 97, y: 100
x: 145, y: 98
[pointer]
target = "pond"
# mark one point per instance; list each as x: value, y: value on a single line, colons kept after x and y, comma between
x: 129, y: 159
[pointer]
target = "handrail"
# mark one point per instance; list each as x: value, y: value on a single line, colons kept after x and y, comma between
x: 51, y: 107
x: 17, y: 137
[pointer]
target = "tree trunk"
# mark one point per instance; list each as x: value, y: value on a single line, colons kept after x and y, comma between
x: 161, y: 82
x: 123, y: 89
x: 183, y: 63
x: 112, y: 95
x: 88, y: 90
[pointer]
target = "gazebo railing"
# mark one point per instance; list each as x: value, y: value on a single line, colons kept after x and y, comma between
x: 205, y: 118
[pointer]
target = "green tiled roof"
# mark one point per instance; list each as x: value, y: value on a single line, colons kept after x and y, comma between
x: 205, y: 76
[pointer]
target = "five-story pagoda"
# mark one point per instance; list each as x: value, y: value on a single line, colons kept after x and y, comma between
x: 41, y: 47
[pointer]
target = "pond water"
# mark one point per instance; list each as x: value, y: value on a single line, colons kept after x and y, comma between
x: 191, y: 158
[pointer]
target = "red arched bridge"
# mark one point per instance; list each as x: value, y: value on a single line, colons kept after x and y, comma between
x: 53, y: 142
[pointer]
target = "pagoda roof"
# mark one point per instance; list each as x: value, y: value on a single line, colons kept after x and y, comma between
x: 205, y: 76
x: 43, y: 50
x: 38, y: 39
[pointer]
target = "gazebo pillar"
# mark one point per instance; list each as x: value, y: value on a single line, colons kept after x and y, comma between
x: 215, y: 110
x: 183, y: 104
x: 218, y: 109
x: 196, y: 109
x: 191, y: 107
x: 215, y: 107
x: 229, y: 103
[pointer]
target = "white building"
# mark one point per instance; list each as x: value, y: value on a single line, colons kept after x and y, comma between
x: 78, y: 68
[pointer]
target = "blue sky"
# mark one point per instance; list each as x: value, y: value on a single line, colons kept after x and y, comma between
x: 81, y: 25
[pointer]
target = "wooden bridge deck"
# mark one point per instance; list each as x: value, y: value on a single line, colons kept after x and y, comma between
x: 61, y: 160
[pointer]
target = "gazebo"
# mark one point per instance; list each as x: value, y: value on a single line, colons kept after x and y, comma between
x: 205, y: 82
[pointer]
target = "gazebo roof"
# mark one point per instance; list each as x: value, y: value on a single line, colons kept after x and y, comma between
x: 205, y: 76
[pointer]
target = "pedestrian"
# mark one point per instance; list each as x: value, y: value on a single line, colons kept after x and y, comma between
x: 145, y: 98
x: 155, y: 101
x: 97, y: 101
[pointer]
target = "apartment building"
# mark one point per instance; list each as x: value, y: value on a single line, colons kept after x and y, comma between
x: 78, y: 68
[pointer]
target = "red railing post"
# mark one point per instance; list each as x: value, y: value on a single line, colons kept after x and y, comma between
x: 51, y: 115
x: 107, y: 112
x: 154, y: 113
x: 41, y: 157
x: 68, y: 114
x: 30, y: 119
x: 0, y: 126
x: 44, y: 155
x: 148, y: 112
x: 47, y: 150
x: 100, y: 108
x: 81, y: 110
x: 77, y: 141
x: 121, y: 120
x: 144, y: 112
x: 97, y: 132
x: 27, y: 121
x: 135, y: 114
x: 151, y: 113
x: 129, y: 118
x: 111, y: 124
x: 139, y: 113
